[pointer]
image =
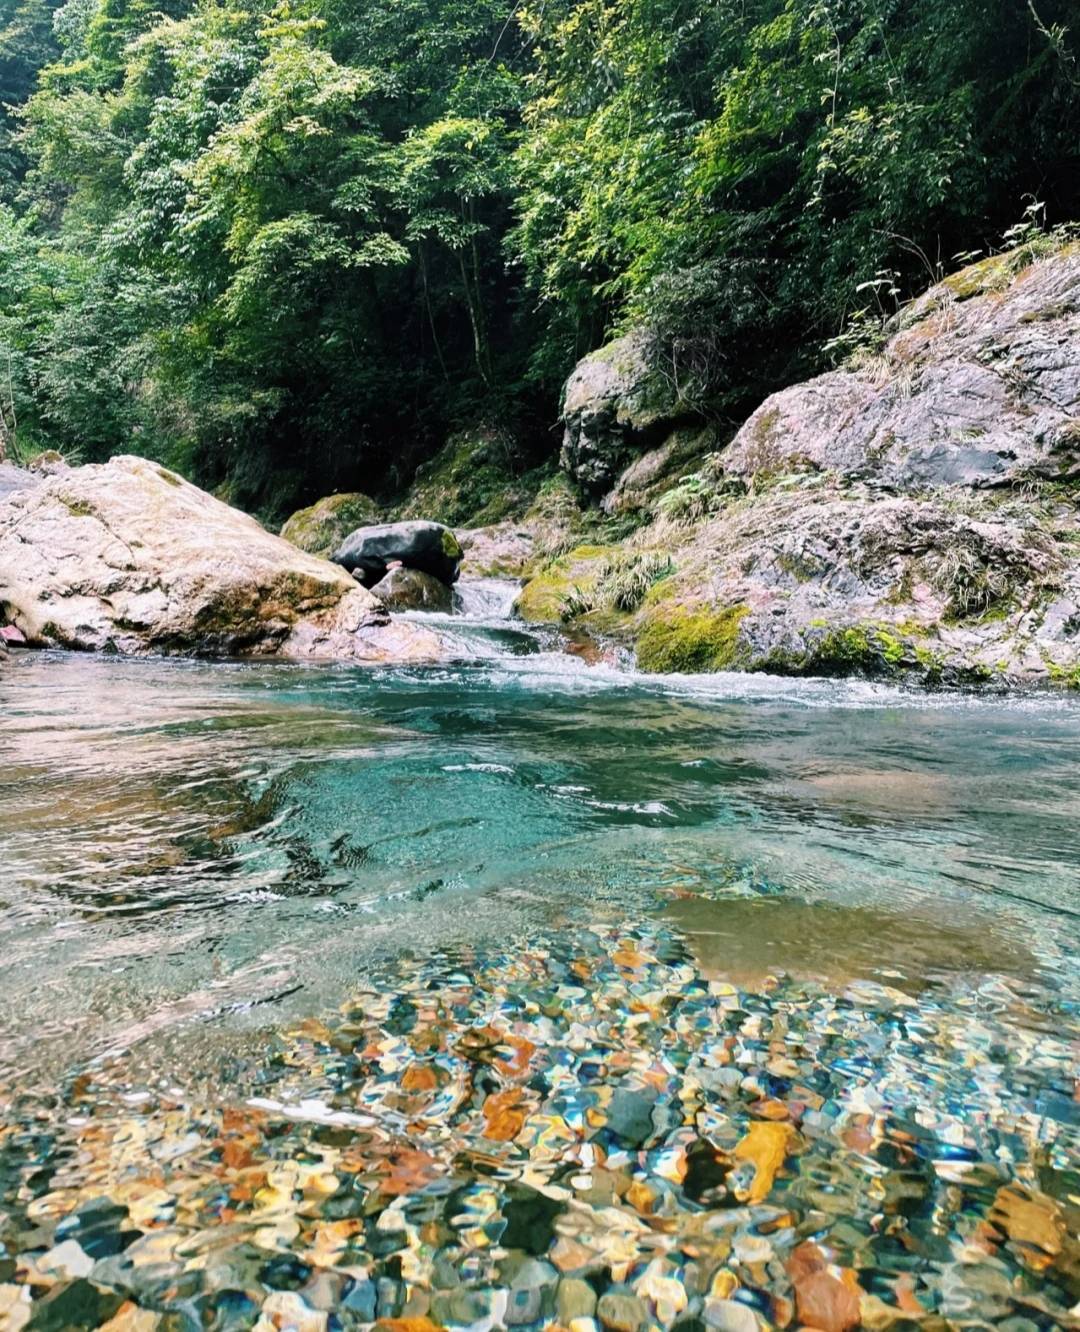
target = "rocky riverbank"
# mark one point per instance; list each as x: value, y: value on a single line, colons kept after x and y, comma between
x: 916, y: 513
x: 129, y: 557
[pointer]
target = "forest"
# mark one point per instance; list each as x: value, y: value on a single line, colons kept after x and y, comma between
x: 290, y: 247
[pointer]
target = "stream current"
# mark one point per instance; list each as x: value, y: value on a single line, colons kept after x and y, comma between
x: 549, y: 933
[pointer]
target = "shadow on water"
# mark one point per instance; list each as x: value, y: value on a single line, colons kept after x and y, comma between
x: 746, y: 940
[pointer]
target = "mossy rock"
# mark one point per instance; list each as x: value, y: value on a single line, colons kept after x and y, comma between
x: 550, y: 593
x: 874, y: 649
x: 623, y: 378
x: 475, y: 480
x: 321, y: 528
x: 1067, y: 675
x: 989, y: 274
x: 690, y: 639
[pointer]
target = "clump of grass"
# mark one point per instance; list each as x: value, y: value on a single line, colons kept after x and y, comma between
x: 576, y: 603
x: 621, y: 585
x: 688, y: 502
x: 699, y: 495
x: 970, y: 578
x: 624, y: 586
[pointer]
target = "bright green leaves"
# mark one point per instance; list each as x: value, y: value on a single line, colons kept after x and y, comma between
x: 447, y: 170
x: 307, y: 236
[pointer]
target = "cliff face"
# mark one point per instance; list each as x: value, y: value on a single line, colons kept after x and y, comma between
x: 917, y: 512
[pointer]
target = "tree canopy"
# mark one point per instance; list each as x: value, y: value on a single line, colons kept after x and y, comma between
x: 291, y: 246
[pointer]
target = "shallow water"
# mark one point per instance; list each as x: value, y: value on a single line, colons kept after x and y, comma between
x: 200, y: 857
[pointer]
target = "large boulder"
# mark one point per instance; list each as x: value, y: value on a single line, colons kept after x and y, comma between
x: 411, y: 589
x: 979, y: 386
x: 500, y: 551
x: 913, y: 515
x: 322, y: 527
x: 654, y: 473
x: 369, y: 551
x: 615, y: 404
x: 827, y: 579
x: 126, y: 556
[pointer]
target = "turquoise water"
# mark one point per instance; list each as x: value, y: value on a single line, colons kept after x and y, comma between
x: 199, y: 857
x: 183, y: 838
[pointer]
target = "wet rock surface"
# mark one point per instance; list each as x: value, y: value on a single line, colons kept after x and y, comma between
x: 410, y: 589
x: 429, y: 547
x: 128, y: 557
x: 581, y: 1131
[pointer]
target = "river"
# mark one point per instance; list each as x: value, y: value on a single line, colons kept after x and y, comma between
x: 549, y: 933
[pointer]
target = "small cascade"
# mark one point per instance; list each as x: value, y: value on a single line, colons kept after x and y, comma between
x: 481, y: 626
x: 487, y: 599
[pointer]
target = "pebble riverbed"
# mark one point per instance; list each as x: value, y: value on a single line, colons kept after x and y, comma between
x: 583, y: 1132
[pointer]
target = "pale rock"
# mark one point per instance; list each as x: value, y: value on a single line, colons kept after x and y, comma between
x: 128, y: 557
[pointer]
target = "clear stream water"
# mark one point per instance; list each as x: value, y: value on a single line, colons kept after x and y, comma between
x: 198, y: 855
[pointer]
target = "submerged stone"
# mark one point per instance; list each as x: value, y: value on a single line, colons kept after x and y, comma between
x: 575, y: 1299
x: 73, y: 1304
x: 621, y: 1311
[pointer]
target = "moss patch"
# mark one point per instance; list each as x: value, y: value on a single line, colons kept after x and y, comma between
x: 563, y: 584
x: 1067, y: 676
x: 990, y: 274
x: 78, y: 508
x: 477, y: 479
x: 321, y: 528
x: 678, y: 639
x: 863, y: 649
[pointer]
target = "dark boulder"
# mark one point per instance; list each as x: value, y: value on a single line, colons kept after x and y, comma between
x: 411, y: 589
x: 430, y: 547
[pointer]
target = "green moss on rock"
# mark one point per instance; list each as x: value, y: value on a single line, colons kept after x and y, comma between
x: 321, y: 528
x: 683, y: 640
x: 990, y: 274
x: 477, y: 479
x: 870, y: 649
x: 1067, y: 676
x: 563, y: 583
